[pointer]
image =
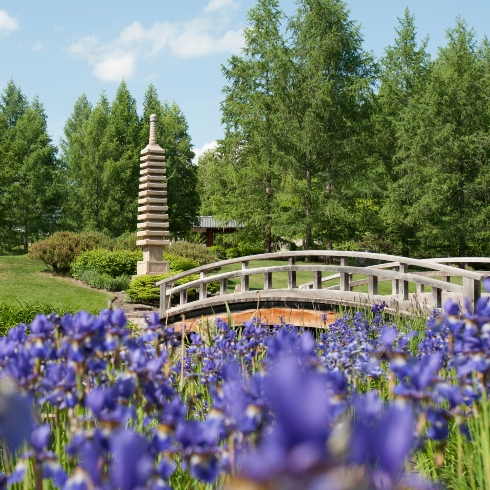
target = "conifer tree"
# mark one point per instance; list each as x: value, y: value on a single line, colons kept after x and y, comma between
x: 32, y: 195
x: 121, y: 169
x: 75, y: 165
x: 405, y: 70
x: 326, y: 106
x: 250, y: 156
x: 445, y: 142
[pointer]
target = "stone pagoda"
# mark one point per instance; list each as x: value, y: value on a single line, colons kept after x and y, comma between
x: 152, y: 204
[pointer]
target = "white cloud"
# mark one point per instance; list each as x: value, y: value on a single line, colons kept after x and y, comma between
x: 7, y: 23
x: 206, y: 34
x: 38, y: 46
x: 204, y: 148
x: 215, y: 5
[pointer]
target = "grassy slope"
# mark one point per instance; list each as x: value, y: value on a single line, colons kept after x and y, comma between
x: 23, y: 280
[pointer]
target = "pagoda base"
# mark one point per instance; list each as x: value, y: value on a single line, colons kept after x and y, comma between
x: 152, y: 267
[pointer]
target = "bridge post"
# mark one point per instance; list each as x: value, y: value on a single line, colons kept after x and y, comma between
x: 373, y: 285
x: 245, y: 278
x: 267, y: 280
x: 203, y: 290
x: 420, y: 288
x: 223, y: 287
x: 344, y: 276
x: 317, y: 280
x: 471, y: 289
x: 292, y: 274
x: 437, y: 297
x: 183, y: 296
x: 395, y: 288
x: 403, y: 284
x: 163, y: 300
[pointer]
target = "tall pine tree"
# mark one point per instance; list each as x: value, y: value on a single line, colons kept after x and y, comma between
x: 249, y: 155
x: 405, y: 70
x: 32, y: 194
x: 445, y: 142
x: 121, y: 170
x: 327, y: 106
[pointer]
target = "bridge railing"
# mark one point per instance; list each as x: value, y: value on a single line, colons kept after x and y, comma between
x: 394, y: 266
x: 395, y: 269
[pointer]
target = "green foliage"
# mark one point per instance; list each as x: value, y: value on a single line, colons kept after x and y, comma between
x: 12, y: 315
x: 127, y: 241
x: 90, y: 240
x: 112, y: 262
x: 143, y: 290
x: 193, y: 251
x: 179, y: 263
x: 219, y: 251
x: 121, y: 170
x: 104, y: 281
x: 30, y: 187
x: 57, y: 251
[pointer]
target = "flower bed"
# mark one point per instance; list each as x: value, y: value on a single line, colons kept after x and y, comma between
x: 88, y: 403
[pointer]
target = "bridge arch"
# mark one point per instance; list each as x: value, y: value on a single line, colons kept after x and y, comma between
x: 391, y: 268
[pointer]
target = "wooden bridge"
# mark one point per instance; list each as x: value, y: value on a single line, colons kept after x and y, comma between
x: 416, y: 285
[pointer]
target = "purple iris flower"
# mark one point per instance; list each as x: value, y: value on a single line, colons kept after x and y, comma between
x: 438, y: 419
x: 16, y: 422
x: 297, y: 443
x: 40, y: 438
x: 385, y: 442
x: 132, y: 463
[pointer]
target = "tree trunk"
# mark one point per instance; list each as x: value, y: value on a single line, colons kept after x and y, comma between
x: 308, y: 233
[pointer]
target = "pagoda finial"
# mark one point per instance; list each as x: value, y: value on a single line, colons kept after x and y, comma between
x: 153, y: 129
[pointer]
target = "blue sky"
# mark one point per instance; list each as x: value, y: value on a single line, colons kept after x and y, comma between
x: 59, y: 49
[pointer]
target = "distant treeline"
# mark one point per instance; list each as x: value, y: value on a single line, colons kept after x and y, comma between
x: 327, y: 145
x: 324, y: 144
x: 92, y: 182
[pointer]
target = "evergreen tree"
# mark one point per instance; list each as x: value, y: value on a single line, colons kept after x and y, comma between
x: 327, y: 105
x: 173, y: 136
x: 92, y: 188
x: 405, y: 69
x: 76, y: 168
x: 445, y: 143
x: 121, y: 169
x: 32, y: 195
x: 250, y: 157
x: 13, y: 104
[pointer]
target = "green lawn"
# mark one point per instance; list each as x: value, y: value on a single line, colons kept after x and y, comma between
x: 23, y: 280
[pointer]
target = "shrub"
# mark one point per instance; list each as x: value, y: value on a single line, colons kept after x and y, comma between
x: 178, y: 263
x: 127, y: 241
x: 112, y: 262
x: 57, y: 251
x: 90, y: 240
x: 193, y: 251
x: 233, y: 253
x: 219, y: 251
x: 143, y: 290
x: 103, y: 281
x: 250, y: 250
